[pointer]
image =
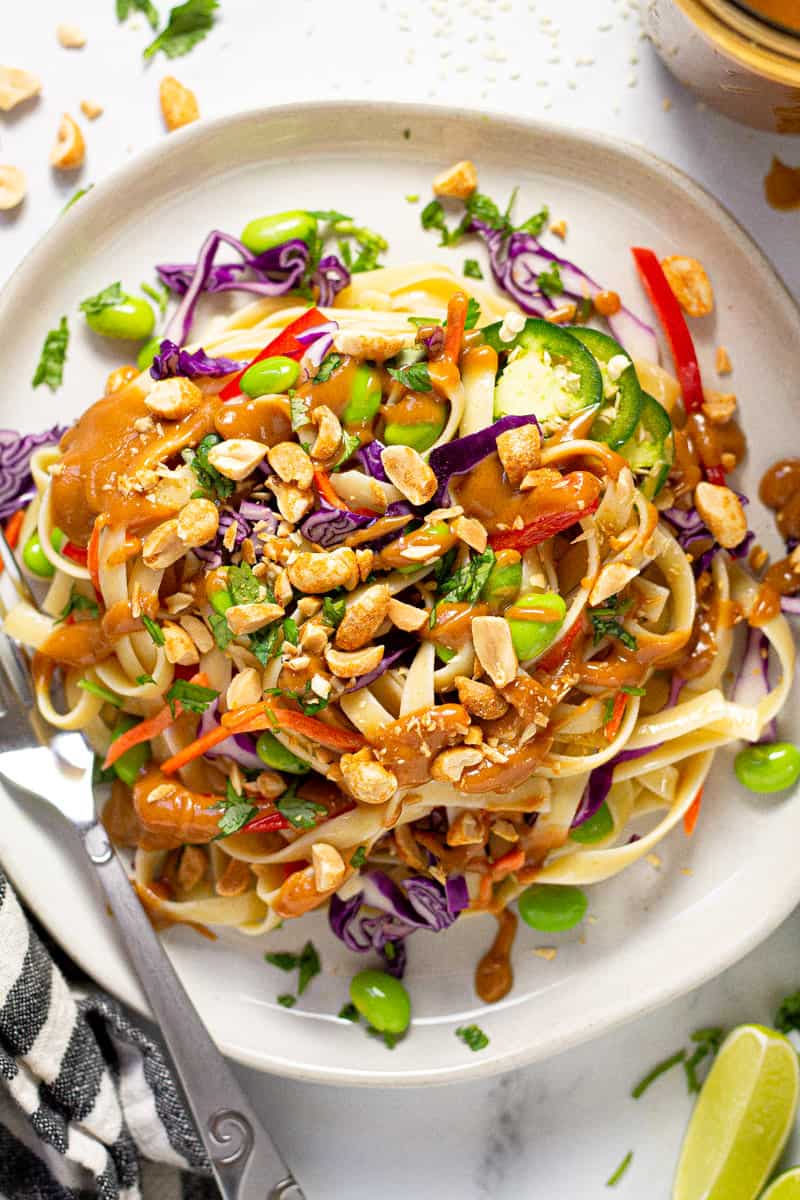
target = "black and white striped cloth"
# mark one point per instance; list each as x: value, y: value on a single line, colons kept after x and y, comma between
x: 88, y: 1104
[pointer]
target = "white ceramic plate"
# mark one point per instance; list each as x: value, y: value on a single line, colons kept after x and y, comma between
x: 652, y: 933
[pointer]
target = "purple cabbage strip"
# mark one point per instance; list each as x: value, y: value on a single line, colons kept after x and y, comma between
x: 241, y: 747
x: 752, y: 678
x: 691, y: 532
x: 328, y: 526
x: 415, y: 903
x: 277, y: 271
x: 461, y: 455
x: 16, y: 482
x: 391, y: 654
x: 370, y: 458
x: 790, y: 605
x: 171, y: 360
x: 331, y: 277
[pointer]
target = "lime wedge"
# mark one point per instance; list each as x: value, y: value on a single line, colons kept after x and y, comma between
x: 742, y: 1118
x: 785, y: 1187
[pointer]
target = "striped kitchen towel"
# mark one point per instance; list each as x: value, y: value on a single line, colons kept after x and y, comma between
x: 88, y: 1103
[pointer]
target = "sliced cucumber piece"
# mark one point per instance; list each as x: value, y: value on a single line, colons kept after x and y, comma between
x: 616, y: 420
x: 547, y: 372
x: 650, y: 452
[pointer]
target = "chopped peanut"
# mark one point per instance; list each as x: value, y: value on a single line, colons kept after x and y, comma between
x: 328, y: 864
x: 116, y: 381
x: 406, y: 616
x: 450, y: 765
x: 468, y: 828
x: 722, y: 361
x: 17, y: 86
x: 235, y: 880
x: 559, y: 229
x: 519, y: 451
x: 198, y: 522
x: 410, y: 474
x: 199, y: 632
x: 320, y: 573
x: 293, y: 502
x: 612, y: 579
x: 91, y: 109
x: 363, y: 617
x: 365, y: 779
x: 329, y: 433
x: 178, y: 646
x: 70, y: 148
x: 192, y: 868
x: 236, y: 458
x: 607, y: 304
x: 480, y: 699
x: 470, y: 531
x: 458, y: 181
x: 291, y: 463
x: 178, y: 104
x: 563, y: 315
x: 690, y: 284
x: 244, y: 688
x: 722, y: 512
x: 491, y: 637
x: 173, y: 398
x: 70, y: 37
x: 350, y: 664
x: 719, y: 407
x: 13, y: 187
x: 162, y: 547
x: 246, y: 618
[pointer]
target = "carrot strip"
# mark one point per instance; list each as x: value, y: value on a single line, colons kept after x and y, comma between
x: 456, y: 319
x: 326, y: 490
x: 611, y: 727
x: 93, y: 553
x: 692, y: 813
x: 146, y: 730
x: 508, y: 863
x: 12, y: 530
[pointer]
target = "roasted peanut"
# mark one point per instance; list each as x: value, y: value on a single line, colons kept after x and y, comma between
x: 722, y: 512
x: 329, y: 433
x: 480, y: 699
x: 246, y: 618
x: 319, y: 573
x: 293, y: 502
x: 470, y: 531
x: 13, y: 187
x: 690, y: 284
x: 519, y: 451
x: 198, y: 522
x: 70, y: 148
x: 178, y: 103
x: 365, y: 779
x: 236, y: 458
x: 162, y: 547
x: 351, y: 664
x: 91, y: 109
x: 406, y: 616
x: 491, y: 637
x: 235, y: 880
x: 198, y: 632
x: 458, y: 181
x: 178, y: 646
x: 328, y: 864
x: 612, y: 579
x: 17, y: 86
x: 468, y: 828
x: 71, y: 37
x: 450, y: 765
x: 291, y: 464
x: 363, y: 617
x: 192, y: 868
x: 173, y: 398
x: 409, y: 473
x: 719, y: 407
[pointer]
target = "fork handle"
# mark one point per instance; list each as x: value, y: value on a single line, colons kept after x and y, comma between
x: 245, y: 1161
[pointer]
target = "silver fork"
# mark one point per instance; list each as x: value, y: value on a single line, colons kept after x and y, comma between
x: 58, y: 769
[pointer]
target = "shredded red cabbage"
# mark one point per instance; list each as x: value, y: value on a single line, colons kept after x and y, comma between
x: 752, y: 678
x: 370, y: 458
x: 461, y: 455
x: 331, y: 276
x: 392, y: 653
x: 171, y: 360
x: 414, y: 903
x: 16, y: 482
x: 790, y: 605
x: 693, y: 535
x: 328, y: 526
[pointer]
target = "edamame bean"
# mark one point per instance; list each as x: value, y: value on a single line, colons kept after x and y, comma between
x: 262, y: 233
x: 271, y: 752
x: 552, y: 907
x: 57, y: 538
x: 532, y: 637
x: 132, y: 319
x: 597, y: 827
x: 420, y: 436
x: 382, y: 1001
x: 770, y: 767
x: 35, y: 558
x: 505, y: 580
x: 149, y: 350
x: 270, y: 376
x: 129, y: 764
x: 365, y: 397
x: 221, y: 600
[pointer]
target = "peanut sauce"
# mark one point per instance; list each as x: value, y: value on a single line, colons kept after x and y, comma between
x: 263, y: 419
x: 408, y: 746
x: 780, y: 491
x: 702, y: 646
x: 782, y: 579
x: 81, y: 644
x: 782, y: 186
x: 416, y: 408
x: 493, y: 975
x: 453, y: 626
x: 485, y: 493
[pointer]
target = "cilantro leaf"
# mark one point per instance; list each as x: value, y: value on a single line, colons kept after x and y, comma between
x: 787, y: 1017
x: 605, y: 622
x: 350, y: 443
x: 78, y: 603
x: 327, y: 367
x: 144, y: 679
x: 659, y: 1069
x: 482, y: 208
x: 389, y: 1039
x: 108, y: 298
x: 97, y: 689
x: 287, y: 1000
x: 472, y: 269
x: 370, y: 244
x: 348, y: 1012
x: 473, y: 313
x: 300, y: 813
x: 359, y: 857
x: 444, y: 565
x: 186, y: 25
x: 299, y: 407
x: 126, y: 7
x: 307, y: 962
x: 50, y: 368
x: 76, y: 196
x: 472, y: 1036
x: 193, y: 696
x: 707, y: 1042
x: 290, y: 631
x: 243, y: 585
x: 266, y: 642
x: 328, y: 214
x: 155, y: 631
x: 159, y: 295
x: 223, y: 634
x: 536, y: 223
x: 432, y: 217
x: 614, y: 1179
x: 550, y: 281
x: 415, y: 376
x: 236, y: 810
x: 467, y: 582
x: 333, y: 610
x: 283, y: 959
x: 208, y: 476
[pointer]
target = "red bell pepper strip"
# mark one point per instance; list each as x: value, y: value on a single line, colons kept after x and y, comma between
x: 611, y: 727
x: 456, y: 320
x: 692, y: 813
x: 12, y: 529
x: 326, y: 491
x: 684, y: 355
x: 267, y: 822
x: 509, y: 862
x: 78, y: 554
x: 146, y: 730
x: 285, y: 343
x: 540, y: 529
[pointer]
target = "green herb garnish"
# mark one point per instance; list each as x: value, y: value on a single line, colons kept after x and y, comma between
x: 50, y: 369
x: 186, y: 25
x: 208, y: 476
x: 350, y: 443
x: 236, y: 809
x: 605, y: 622
x: 415, y: 376
x: 193, y: 696
x: 658, y: 1070
x: 348, y: 1012
x: 155, y: 631
x: 265, y: 643
x: 243, y: 584
x: 159, y: 295
x: 473, y: 313
x: 472, y: 1036
x: 359, y: 857
x: 143, y: 679
x: 299, y: 408
x: 223, y: 634
x: 614, y: 1179
x: 327, y: 367
x: 333, y: 610
x: 536, y: 223
x: 550, y: 281
x: 307, y: 962
x: 287, y: 1000
x: 78, y: 603
x: 290, y: 631
x: 707, y: 1042
x: 126, y: 7
x: 300, y: 813
x: 467, y: 582
x: 787, y: 1016
x: 472, y: 269
x: 633, y: 691
x: 97, y: 689
x: 108, y: 298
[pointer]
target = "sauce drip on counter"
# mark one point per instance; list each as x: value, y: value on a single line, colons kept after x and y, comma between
x: 782, y: 186
x: 493, y: 975
x: 780, y: 491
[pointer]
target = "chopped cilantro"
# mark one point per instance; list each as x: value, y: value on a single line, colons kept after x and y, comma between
x: 550, y: 281
x: 290, y: 631
x: 283, y: 959
x: 350, y: 443
x: 223, y: 634
x: 76, y: 196
x: 415, y: 376
x: 193, y: 696
x: 50, y: 368
x: 126, y: 7
x: 308, y: 700
x: 472, y: 1036
x: 187, y: 25
x: 633, y: 691
x: 155, y: 631
x: 207, y: 475
x: 108, y: 298
x: 390, y: 1040
x: 97, y: 689
x: 482, y: 208
x: 444, y: 653
x: 423, y: 322
x: 432, y: 217
x: 333, y: 610
x: 608, y: 709
x: 243, y: 585
x: 787, y: 1017
x: 536, y: 223
x: 370, y: 245
x: 443, y: 566
x: 473, y: 313
x: 472, y: 269
x: 327, y: 367
x: 143, y: 679
x: 300, y: 813
x: 467, y: 582
x: 707, y: 1042
x: 359, y: 857
x: 614, y: 1179
x: 299, y: 407
x: 605, y: 622
x: 236, y: 811
x: 328, y: 214
x: 78, y: 603
x: 98, y: 774
x: 307, y: 962
x: 287, y: 1000
x: 159, y: 295
x: 658, y: 1070
x: 412, y: 198
x: 348, y: 1012
x: 265, y: 643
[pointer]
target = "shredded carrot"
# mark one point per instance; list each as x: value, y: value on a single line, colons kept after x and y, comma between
x: 12, y: 530
x: 326, y: 491
x: 484, y: 897
x: 611, y: 727
x: 692, y: 813
x: 512, y: 861
x: 146, y: 730
x: 93, y: 553
x: 456, y: 319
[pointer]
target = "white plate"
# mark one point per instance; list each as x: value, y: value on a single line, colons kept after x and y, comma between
x: 653, y: 933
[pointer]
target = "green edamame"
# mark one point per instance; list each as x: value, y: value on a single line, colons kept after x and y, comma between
x: 597, y: 827
x: 552, y: 907
x: 532, y: 637
x: 262, y: 233
x: 57, y: 538
x: 129, y: 764
x: 144, y: 359
x: 365, y: 397
x: 35, y: 558
x: 502, y: 586
x: 419, y: 437
x: 221, y: 600
x: 132, y: 319
x: 275, y: 755
x: 381, y: 1000
x: 270, y: 376
x: 770, y: 767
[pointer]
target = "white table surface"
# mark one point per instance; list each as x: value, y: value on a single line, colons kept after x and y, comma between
x: 556, y: 1129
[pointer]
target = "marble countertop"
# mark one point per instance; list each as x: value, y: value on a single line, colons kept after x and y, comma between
x: 557, y: 1129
